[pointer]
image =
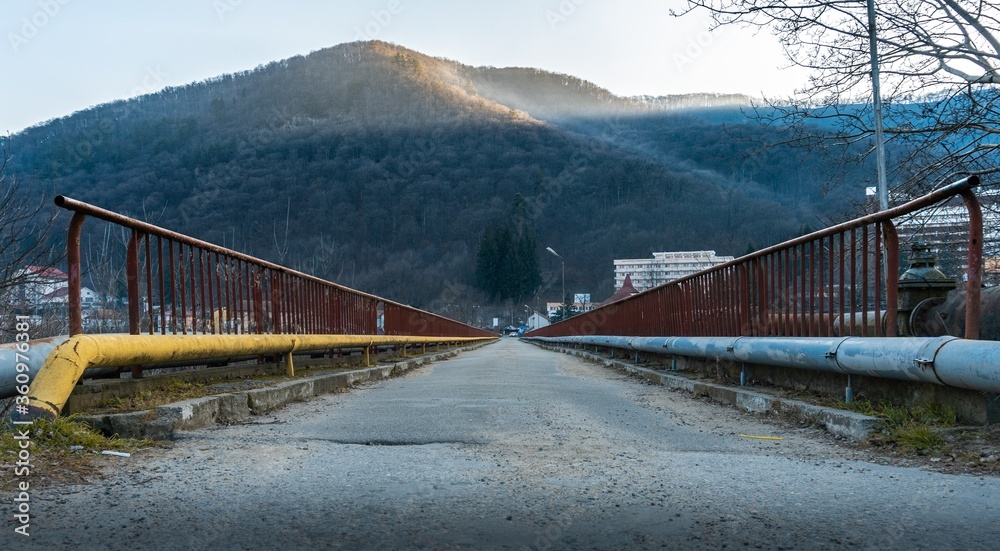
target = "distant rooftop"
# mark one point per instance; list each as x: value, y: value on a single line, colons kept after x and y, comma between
x: 626, y: 291
x: 46, y: 272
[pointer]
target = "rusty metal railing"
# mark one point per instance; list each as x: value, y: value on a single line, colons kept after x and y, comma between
x: 181, y: 285
x: 840, y: 281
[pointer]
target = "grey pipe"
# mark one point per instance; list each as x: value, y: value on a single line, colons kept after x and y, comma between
x: 36, y: 353
x: 802, y: 353
x: 701, y: 347
x: 948, y: 361
x: 653, y: 345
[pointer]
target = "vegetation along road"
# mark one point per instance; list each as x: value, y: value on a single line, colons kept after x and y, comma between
x: 513, y: 447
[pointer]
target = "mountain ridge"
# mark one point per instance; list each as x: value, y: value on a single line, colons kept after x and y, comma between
x: 395, y: 163
x: 406, y: 57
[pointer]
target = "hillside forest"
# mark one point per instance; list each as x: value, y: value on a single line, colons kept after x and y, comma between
x: 385, y: 170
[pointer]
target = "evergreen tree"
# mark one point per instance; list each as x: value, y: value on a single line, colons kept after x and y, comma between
x: 530, y: 277
x: 507, y: 262
x: 489, y: 263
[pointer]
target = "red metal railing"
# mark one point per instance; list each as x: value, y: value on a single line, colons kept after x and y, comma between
x: 180, y: 285
x: 838, y: 281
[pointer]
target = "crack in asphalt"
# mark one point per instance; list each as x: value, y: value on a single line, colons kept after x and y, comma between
x: 383, y: 442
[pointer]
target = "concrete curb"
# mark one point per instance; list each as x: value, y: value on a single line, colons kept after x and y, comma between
x: 162, y: 422
x: 847, y: 424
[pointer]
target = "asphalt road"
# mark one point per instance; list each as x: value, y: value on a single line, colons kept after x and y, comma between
x: 512, y: 447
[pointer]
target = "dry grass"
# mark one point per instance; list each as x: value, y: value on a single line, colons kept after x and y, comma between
x: 63, y: 450
x: 173, y: 391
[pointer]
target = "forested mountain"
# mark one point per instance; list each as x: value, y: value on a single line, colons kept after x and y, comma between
x: 380, y: 168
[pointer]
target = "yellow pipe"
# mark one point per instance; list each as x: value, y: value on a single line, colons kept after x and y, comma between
x: 59, y: 374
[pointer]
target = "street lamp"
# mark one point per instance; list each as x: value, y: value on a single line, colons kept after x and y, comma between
x: 563, y: 298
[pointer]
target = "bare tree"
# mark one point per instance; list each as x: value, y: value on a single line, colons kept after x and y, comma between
x: 104, y: 272
x: 940, y: 76
x: 282, y: 247
x: 24, y: 230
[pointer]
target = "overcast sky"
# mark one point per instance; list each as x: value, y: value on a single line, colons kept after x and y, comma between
x: 60, y: 56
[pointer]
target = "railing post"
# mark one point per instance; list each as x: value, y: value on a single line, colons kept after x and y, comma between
x: 746, y: 318
x: 891, y: 278
x: 132, y: 280
x: 974, y: 281
x: 763, y: 302
x: 149, y: 284
x: 275, y: 304
x: 74, y: 302
x: 258, y: 302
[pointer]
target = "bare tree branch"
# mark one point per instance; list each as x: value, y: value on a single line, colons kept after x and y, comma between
x: 940, y: 69
x: 24, y: 232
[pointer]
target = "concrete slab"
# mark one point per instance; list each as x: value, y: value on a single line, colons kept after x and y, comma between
x: 326, y: 384
x: 232, y: 407
x: 162, y: 422
x: 847, y: 424
x: 263, y: 400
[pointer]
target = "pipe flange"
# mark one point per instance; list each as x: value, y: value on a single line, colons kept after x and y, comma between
x: 922, y: 321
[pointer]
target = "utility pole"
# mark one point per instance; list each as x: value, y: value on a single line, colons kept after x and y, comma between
x: 883, y: 189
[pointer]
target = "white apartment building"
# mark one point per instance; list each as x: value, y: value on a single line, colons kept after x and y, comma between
x: 664, y: 267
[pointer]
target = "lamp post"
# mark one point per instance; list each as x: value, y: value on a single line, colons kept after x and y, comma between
x: 562, y: 299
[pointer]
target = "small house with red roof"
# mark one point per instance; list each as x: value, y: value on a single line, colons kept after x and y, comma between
x: 39, y: 282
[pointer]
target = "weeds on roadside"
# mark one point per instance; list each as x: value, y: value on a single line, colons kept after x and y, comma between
x: 173, y: 391
x: 63, y: 449
x: 909, y: 427
x: 56, y: 437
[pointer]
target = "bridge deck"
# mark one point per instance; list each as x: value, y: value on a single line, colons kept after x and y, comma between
x: 511, y: 446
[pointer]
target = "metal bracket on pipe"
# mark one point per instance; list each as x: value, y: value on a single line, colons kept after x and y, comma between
x: 831, y: 354
x: 928, y: 352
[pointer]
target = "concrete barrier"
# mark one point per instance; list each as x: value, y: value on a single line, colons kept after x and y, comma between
x: 161, y: 423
